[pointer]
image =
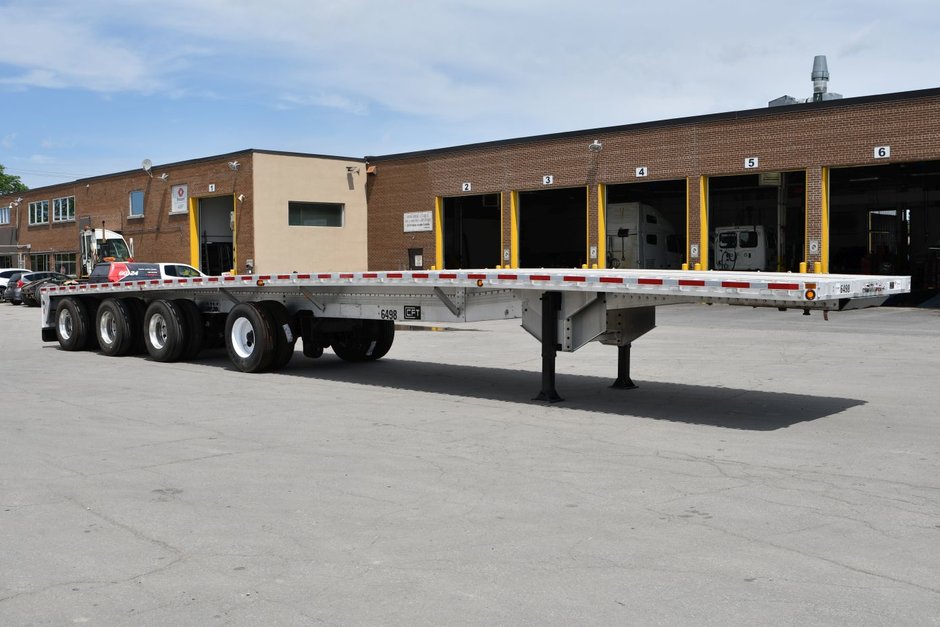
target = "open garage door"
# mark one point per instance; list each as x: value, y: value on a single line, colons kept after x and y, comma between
x: 886, y: 220
x: 757, y: 221
x: 553, y: 228
x: 645, y: 225
x: 472, y: 231
x: 215, y: 220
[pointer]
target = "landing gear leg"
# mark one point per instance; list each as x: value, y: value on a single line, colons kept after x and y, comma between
x: 623, y: 382
x: 551, y: 304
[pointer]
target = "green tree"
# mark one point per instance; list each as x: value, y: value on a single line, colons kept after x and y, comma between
x: 10, y: 184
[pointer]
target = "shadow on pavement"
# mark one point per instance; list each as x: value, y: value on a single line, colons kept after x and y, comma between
x: 694, y: 404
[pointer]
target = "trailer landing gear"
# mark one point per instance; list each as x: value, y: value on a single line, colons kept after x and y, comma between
x: 551, y: 304
x: 623, y: 382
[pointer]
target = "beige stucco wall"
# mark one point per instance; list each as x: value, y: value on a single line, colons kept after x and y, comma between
x: 278, y: 247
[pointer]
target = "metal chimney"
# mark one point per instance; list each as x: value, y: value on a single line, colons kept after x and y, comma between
x: 820, y: 78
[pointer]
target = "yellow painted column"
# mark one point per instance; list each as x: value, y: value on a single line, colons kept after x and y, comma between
x: 824, y: 240
x: 193, y: 234
x: 439, y: 232
x: 703, y: 221
x: 514, y: 229
x: 601, y: 225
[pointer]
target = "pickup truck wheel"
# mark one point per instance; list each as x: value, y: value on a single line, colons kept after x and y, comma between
x: 72, y: 324
x: 163, y: 331
x: 193, y: 329
x: 368, y: 342
x: 249, y: 337
x: 284, y: 336
x: 115, y: 327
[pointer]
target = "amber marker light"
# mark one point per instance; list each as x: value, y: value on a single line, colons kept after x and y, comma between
x: 479, y: 282
x: 260, y: 282
x: 810, y: 294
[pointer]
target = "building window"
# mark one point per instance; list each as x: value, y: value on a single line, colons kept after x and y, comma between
x: 315, y: 214
x: 39, y: 263
x: 39, y: 212
x: 5, y: 215
x: 63, y: 209
x: 65, y: 263
x: 136, y: 204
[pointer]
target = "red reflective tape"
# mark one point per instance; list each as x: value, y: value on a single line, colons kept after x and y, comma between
x: 783, y: 286
x: 157, y: 281
x: 167, y: 281
x: 476, y: 276
x: 449, y: 275
x: 283, y: 277
x: 393, y: 275
x: 574, y: 279
x: 540, y: 277
x: 508, y: 277
x: 324, y: 276
x: 420, y: 275
x: 735, y: 284
x: 303, y: 276
x: 82, y: 286
x: 347, y: 275
x: 691, y: 283
x: 611, y: 279
x: 263, y: 277
x: 212, y: 279
x: 649, y: 281
x: 370, y: 275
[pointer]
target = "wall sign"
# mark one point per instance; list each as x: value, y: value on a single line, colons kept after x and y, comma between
x: 750, y: 163
x: 466, y: 187
x: 642, y: 171
x: 180, y: 199
x: 548, y: 179
x: 882, y: 152
x: 417, y: 221
x: 211, y: 187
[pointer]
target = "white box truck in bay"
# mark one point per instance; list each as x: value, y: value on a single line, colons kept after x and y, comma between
x: 260, y: 317
x: 639, y: 236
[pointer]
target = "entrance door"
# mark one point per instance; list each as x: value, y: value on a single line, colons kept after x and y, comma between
x: 216, y: 238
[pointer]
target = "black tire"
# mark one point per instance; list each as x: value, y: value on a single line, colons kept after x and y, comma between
x: 284, y: 335
x: 368, y: 342
x: 249, y: 337
x: 193, y: 329
x: 73, y: 324
x: 163, y: 331
x: 115, y: 327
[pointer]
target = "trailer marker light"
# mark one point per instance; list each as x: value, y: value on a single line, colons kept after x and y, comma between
x: 479, y: 282
x: 259, y: 282
x: 810, y: 294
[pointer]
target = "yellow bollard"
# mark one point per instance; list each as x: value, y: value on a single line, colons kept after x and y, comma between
x: 698, y: 266
x: 817, y: 267
x: 802, y: 267
x: 685, y: 266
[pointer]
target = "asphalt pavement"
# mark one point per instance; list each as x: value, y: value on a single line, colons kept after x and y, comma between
x: 771, y: 469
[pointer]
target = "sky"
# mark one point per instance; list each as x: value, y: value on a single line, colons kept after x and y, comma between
x: 94, y: 87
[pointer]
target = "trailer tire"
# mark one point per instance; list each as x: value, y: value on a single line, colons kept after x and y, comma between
x: 193, y: 329
x: 115, y: 327
x: 249, y: 337
x: 163, y: 331
x: 73, y: 324
x: 284, y: 336
x: 368, y: 342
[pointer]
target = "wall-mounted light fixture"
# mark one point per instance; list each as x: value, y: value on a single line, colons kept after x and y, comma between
x: 164, y: 176
x: 595, y: 146
x: 233, y: 166
x: 240, y: 197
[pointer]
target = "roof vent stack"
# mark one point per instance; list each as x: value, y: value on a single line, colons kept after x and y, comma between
x: 820, y: 78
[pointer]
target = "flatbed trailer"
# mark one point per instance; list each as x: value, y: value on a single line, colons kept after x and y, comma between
x: 259, y: 317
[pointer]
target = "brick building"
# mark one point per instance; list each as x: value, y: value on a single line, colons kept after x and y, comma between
x: 851, y: 184
x: 260, y: 210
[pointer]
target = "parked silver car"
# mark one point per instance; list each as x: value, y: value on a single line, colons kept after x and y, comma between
x: 5, y: 274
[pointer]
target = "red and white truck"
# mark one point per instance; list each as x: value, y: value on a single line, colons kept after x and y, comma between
x: 260, y: 317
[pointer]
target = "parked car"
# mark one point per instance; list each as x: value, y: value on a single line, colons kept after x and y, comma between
x: 29, y: 292
x: 14, y: 291
x: 118, y: 271
x: 5, y: 274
